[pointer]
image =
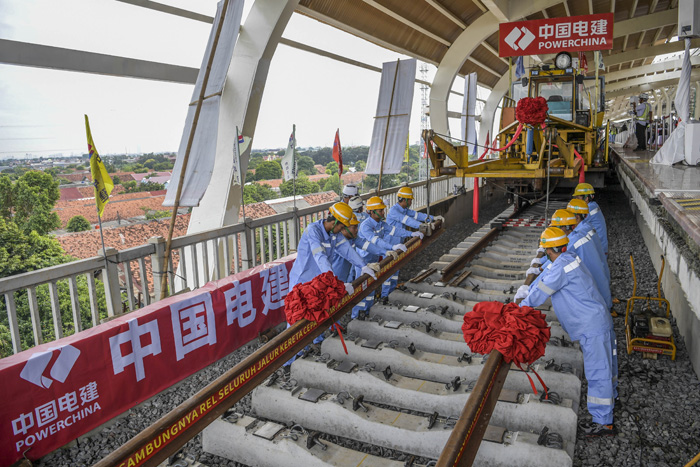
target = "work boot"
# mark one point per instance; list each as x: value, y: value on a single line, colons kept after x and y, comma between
x: 592, y: 429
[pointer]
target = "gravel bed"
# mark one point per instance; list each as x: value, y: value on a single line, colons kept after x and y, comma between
x: 658, y: 418
x: 658, y: 421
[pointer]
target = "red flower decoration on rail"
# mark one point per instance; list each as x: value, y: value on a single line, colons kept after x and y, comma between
x: 519, y: 333
x: 312, y: 300
x: 532, y: 110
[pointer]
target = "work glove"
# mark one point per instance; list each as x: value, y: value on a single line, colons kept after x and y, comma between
x: 535, y: 271
x: 417, y: 234
x: 394, y: 254
x: 399, y: 247
x: 522, y: 293
x: 535, y: 262
x: 367, y: 270
x: 439, y: 218
x: 349, y: 288
x: 374, y: 266
x: 540, y: 250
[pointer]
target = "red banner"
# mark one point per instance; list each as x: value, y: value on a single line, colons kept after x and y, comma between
x: 63, y: 389
x: 552, y: 35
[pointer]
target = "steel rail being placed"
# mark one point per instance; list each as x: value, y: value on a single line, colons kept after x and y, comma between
x: 451, y: 269
x: 167, y: 435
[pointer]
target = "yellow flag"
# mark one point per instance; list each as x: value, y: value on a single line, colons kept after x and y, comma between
x: 405, y: 154
x: 100, y: 178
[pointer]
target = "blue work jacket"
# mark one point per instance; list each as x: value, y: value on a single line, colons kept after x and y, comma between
x: 380, y: 234
x: 316, y: 251
x: 399, y: 217
x: 577, y: 303
x: 596, y: 220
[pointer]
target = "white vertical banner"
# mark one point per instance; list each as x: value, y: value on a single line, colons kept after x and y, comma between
x: 200, y: 165
x: 289, y: 170
x: 673, y: 149
x: 392, y: 118
x: 469, y: 112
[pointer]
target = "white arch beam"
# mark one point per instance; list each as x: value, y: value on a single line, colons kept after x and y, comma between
x: 610, y: 78
x: 410, y: 24
x: 461, y: 49
x: 647, y: 86
x: 447, y: 13
x: 489, y: 111
x: 647, y: 52
x: 58, y: 58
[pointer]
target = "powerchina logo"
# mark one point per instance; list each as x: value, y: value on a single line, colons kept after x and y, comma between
x: 520, y: 38
x: 35, y: 367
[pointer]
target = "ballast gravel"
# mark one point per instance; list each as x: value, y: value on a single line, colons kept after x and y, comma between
x: 658, y: 420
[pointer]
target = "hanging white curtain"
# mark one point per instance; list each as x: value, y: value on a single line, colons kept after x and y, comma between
x: 392, y: 117
x: 469, y: 112
x: 673, y: 149
x: 200, y: 165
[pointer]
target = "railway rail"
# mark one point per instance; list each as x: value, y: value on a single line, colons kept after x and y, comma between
x: 408, y: 391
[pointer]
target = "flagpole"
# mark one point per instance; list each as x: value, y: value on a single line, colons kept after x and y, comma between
x: 240, y: 174
x: 386, y: 133
x: 99, y: 222
x: 186, y: 158
x: 294, y: 167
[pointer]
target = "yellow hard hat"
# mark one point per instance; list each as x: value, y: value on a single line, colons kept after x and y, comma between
x: 375, y: 203
x: 563, y: 217
x: 342, y: 212
x: 577, y: 206
x: 405, y: 192
x: 353, y: 220
x: 583, y: 189
x: 553, y: 236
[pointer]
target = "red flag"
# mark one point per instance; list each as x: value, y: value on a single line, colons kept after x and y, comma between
x: 583, y: 63
x: 338, y: 153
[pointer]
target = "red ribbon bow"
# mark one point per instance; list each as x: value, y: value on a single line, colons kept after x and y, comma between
x: 520, y: 334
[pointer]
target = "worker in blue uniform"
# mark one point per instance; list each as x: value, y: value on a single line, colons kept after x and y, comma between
x: 595, y: 217
x: 580, y: 209
x: 377, y: 232
x: 400, y: 215
x: 582, y: 313
x: 582, y: 246
x: 342, y: 267
x: 318, y: 247
x: 320, y: 243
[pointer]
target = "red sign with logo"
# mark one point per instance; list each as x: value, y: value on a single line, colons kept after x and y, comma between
x: 58, y: 391
x: 552, y: 35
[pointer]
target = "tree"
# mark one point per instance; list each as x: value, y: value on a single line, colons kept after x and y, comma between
x: 135, y: 187
x: 305, y: 164
x: 255, y: 193
x: 26, y: 251
x: 268, y: 170
x: 255, y: 161
x: 360, y: 166
x: 332, y: 168
x: 332, y: 184
x: 116, y: 180
x: 304, y: 186
x: 78, y: 224
x: 29, y: 201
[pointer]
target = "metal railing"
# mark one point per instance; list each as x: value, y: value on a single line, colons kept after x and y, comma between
x: 127, y: 275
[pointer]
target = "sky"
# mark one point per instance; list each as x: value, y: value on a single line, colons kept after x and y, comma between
x: 42, y: 110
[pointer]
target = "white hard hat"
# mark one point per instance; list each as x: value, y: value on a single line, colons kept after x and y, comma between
x: 356, y: 203
x: 350, y: 190
x: 643, y: 96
